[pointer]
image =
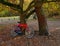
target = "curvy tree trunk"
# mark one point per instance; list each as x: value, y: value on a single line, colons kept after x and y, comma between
x: 41, y: 19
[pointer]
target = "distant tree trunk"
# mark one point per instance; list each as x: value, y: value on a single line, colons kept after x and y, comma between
x: 41, y: 18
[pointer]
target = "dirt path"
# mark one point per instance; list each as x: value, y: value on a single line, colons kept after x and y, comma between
x: 54, y: 40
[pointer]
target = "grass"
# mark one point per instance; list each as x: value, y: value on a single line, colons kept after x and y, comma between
x: 52, y: 19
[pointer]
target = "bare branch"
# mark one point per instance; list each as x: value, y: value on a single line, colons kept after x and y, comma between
x: 10, y: 4
x: 29, y: 14
x: 54, y: 1
x: 44, y: 1
x: 31, y: 5
x: 16, y: 9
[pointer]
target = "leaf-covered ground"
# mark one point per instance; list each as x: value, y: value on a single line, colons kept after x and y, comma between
x: 53, y: 40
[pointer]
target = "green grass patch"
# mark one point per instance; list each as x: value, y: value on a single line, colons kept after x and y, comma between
x: 52, y: 19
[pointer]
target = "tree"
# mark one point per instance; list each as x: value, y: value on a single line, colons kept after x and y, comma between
x: 23, y: 14
x: 43, y: 29
x: 30, y: 10
x: 41, y: 18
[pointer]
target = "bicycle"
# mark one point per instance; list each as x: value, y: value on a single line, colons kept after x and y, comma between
x: 20, y: 28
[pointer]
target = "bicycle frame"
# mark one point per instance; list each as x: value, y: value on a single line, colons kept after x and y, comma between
x: 22, y: 26
x: 26, y: 30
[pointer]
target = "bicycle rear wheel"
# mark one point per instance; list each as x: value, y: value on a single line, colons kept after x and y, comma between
x: 29, y: 32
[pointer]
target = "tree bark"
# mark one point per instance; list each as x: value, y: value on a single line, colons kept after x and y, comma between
x: 22, y: 18
x: 41, y: 19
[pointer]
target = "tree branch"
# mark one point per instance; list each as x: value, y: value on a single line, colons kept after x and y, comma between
x: 16, y: 9
x: 44, y: 1
x: 54, y: 1
x: 28, y: 15
x: 10, y: 4
x: 30, y: 6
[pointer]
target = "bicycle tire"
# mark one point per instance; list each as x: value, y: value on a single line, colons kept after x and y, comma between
x: 29, y: 32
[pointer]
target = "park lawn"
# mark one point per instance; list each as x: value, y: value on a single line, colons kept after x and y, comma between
x: 4, y: 27
x: 52, y: 19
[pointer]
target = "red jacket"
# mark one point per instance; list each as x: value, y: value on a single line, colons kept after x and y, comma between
x: 22, y: 25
